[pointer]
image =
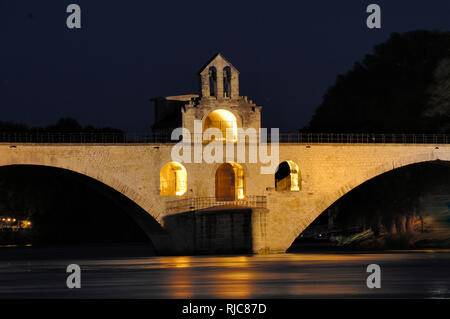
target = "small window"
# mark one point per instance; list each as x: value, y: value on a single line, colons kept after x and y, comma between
x: 227, y: 81
x: 287, y: 177
x: 212, y: 81
x: 173, y: 179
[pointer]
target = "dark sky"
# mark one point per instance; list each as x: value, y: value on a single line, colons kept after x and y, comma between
x: 288, y: 53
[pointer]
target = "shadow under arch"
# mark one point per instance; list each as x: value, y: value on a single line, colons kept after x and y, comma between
x: 327, y: 201
x: 150, y: 227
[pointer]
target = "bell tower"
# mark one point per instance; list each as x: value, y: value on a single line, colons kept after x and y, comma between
x: 219, y: 79
x: 218, y: 104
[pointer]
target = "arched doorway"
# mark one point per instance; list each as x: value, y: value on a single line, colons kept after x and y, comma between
x: 223, y: 120
x: 287, y: 177
x: 230, y: 182
x: 173, y: 179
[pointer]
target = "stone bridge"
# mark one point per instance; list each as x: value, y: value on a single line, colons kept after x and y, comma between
x: 326, y: 172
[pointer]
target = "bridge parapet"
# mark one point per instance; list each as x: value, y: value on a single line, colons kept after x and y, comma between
x: 303, y: 138
x: 198, y: 203
x: 362, y: 138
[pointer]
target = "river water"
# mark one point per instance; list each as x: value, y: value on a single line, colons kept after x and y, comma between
x: 410, y: 274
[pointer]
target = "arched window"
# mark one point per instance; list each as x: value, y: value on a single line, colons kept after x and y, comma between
x: 212, y: 81
x: 173, y: 179
x: 287, y: 177
x: 230, y: 182
x: 227, y: 81
x: 223, y: 120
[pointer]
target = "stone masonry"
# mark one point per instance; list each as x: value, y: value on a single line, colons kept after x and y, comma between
x: 326, y: 173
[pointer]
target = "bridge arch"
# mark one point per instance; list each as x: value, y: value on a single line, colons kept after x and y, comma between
x: 326, y: 201
x: 146, y: 219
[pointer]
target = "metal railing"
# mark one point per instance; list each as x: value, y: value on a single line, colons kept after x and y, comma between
x: 82, y: 138
x: 198, y: 203
x: 361, y: 138
x: 304, y: 138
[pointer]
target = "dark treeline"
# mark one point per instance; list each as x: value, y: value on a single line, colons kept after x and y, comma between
x: 65, y: 130
x: 66, y: 124
x: 402, y: 87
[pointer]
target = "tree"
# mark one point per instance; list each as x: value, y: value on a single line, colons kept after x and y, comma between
x: 65, y: 124
x: 403, y: 87
x: 438, y: 111
x: 66, y: 129
x: 389, y: 91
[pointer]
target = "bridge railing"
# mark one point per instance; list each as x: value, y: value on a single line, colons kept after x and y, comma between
x: 361, y: 138
x: 82, y: 138
x: 198, y: 203
x: 304, y: 138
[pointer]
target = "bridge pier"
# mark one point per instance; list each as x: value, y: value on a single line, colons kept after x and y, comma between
x: 219, y: 230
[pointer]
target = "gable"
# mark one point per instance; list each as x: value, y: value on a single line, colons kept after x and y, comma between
x: 217, y: 61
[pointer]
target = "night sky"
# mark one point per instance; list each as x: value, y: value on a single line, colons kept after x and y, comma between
x: 288, y: 54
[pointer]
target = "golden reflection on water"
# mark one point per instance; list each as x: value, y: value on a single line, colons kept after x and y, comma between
x: 244, y: 276
x: 224, y: 276
x: 407, y: 273
x: 235, y: 275
x: 271, y: 276
x: 177, y: 262
x: 181, y: 285
x: 233, y: 284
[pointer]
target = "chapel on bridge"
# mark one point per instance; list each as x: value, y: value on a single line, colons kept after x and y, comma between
x: 217, y: 105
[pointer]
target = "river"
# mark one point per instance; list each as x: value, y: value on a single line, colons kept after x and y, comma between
x: 41, y: 273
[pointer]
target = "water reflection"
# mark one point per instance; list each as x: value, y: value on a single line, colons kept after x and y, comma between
x: 177, y: 262
x: 423, y: 274
x: 233, y: 284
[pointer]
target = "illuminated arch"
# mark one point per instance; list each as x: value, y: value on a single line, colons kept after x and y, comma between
x: 222, y: 120
x: 230, y: 182
x: 287, y: 177
x: 173, y: 179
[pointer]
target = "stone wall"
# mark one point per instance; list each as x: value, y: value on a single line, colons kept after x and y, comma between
x: 215, y: 231
x: 328, y: 171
